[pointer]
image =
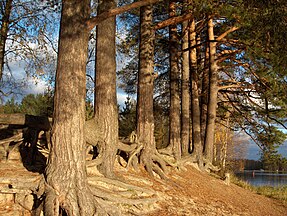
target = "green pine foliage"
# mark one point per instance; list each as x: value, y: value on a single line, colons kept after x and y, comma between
x: 127, y: 118
x: 11, y: 106
x: 38, y: 105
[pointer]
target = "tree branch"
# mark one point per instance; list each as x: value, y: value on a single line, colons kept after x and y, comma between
x: 229, y: 52
x: 223, y: 35
x: 92, y: 22
x: 172, y: 21
x: 241, y: 125
x: 229, y: 86
x: 278, y: 122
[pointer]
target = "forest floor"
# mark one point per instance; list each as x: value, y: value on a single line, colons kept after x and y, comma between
x: 192, y: 192
x: 188, y: 192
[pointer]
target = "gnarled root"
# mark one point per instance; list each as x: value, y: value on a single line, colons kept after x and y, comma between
x: 153, y: 163
x: 75, y: 202
x: 133, y: 155
x: 131, y: 148
x: 210, y: 167
x: 128, y: 198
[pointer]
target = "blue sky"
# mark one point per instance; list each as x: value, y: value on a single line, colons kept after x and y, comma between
x: 253, y: 152
x: 243, y: 147
x: 38, y: 86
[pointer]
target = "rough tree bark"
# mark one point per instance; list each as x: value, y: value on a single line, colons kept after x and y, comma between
x: 185, y: 89
x: 106, y: 112
x: 174, y: 113
x: 145, y: 118
x: 66, y: 179
x: 4, y: 32
x: 204, y: 92
x: 224, y: 144
x: 212, y: 99
x: 196, y: 130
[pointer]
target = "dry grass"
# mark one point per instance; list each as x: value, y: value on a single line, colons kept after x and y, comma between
x: 279, y: 193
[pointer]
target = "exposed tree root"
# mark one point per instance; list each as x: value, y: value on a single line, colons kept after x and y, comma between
x: 127, y: 147
x: 166, y: 151
x: 127, y: 197
x: 111, y: 197
x: 105, y: 208
x: 168, y: 159
x: 133, y: 155
x: 153, y: 164
x: 16, y: 139
x: 92, y: 201
x: 95, y: 162
x: 119, y: 197
x: 120, y: 185
x: 210, y: 167
x: 204, y: 165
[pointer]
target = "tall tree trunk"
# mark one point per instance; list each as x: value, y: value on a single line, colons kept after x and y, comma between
x: 204, y: 92
x: 212, y: 99
x: 174, y: 113
x: 4, y: 32
x: 145, y: 118
x: 196, y: 130
x: 224, y: 146
x: 66, y: 178
x: 106, y: 111
x: 185, y: 90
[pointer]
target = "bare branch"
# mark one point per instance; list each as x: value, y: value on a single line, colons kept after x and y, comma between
x: 229, y: 52
x: 223, y: 35
x: 277, y: 121
x: 91, y: 23
x: 229, y: 86
x: 92, y: 78
x: 173, y: 20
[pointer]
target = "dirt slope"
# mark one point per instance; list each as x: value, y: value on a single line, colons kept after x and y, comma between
x: 187, y: 192
x: 196, y: 193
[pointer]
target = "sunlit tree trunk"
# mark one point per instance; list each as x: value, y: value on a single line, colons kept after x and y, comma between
x: 145, y: 117
x: 66, y: 186
x: 204, y: 92
x: 185, y: 95
x: 174, y: 115
x: 5, y: 21
x: 195, y: 105
x: 224, y: 145
x: 212, y: 99
x: 106, y: 111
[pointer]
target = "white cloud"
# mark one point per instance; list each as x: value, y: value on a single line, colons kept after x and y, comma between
x: 121, y: 97
x: 35, y: 86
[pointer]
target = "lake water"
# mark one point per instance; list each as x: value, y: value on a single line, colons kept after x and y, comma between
x: 261, y: 178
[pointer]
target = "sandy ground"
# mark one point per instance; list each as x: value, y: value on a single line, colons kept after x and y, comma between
x: 188, y: 192
x: 197, y: 193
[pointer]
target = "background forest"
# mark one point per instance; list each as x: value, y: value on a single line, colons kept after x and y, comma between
x: 196, y: 74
